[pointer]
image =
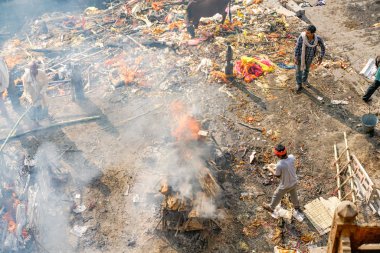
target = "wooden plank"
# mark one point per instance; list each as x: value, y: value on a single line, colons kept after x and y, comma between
x: 337, y: 171
x: 362, y: 170
x: 365, y: 181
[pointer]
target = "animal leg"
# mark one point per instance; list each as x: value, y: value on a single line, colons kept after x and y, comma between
x: 224, y: 15
x: 196, y: 23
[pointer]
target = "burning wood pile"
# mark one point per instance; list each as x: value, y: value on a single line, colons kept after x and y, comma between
x: 20, y: 201
x: 17, y: 210
x: 191, y: 200
x: 194, y: 212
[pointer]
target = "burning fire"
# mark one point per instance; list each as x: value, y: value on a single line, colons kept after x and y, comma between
x: 187, y: 127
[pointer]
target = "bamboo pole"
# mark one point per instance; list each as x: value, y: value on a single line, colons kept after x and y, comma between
x: 13, y: 129
x: 350, y: 169
x: 337, y: 172
x: 60, y: 124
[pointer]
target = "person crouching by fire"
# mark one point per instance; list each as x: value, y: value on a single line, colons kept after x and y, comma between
x: 35, y: 84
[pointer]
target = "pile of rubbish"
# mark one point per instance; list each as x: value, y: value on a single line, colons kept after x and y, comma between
x: 112, y: 46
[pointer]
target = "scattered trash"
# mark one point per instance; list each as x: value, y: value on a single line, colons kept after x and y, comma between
x: 79, y: 209
x: 224, y: 90
x: 252, y: 157
x: 126, y: 193
x: 280, y: 212
x: 243, y: 246
x: 246, y: 195
x: 299, y: 216
x: 339, y: 102
x: 285, y: 66
x: 278, y: 249
x: 79, y: 231
x: 307, y: 238
x: 321, y: 2
x: 305, y: 5
x: 369, y: 70
x: 320, y: 98
x: 136, y: 198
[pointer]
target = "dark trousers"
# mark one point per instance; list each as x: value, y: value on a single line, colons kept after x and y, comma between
x: 371, y: 89
x: 301, y: 76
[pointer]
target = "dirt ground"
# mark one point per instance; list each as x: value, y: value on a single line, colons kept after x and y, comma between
x: 114, y: 162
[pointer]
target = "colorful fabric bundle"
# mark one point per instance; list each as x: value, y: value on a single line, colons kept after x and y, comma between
x: 251, y: 68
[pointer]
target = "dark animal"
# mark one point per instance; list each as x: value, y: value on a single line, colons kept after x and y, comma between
x: 204, y: 8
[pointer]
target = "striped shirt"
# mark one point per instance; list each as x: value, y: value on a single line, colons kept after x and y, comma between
x: 310, y: 51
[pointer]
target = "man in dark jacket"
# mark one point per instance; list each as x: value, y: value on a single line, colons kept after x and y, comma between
x: 304, y: 54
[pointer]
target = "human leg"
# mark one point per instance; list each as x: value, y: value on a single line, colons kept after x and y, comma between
x: 277, y: 196
x: 371, y: 89
x: 305, y: 75
x: 298, y: 75
x: 294, y: 197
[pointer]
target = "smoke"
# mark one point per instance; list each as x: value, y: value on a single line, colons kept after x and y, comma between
x: 14, y: 14
x: 52, y: 207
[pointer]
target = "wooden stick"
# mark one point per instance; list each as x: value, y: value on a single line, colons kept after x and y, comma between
x: 137, y: 43
x: 14, y: 128
x: 250, y: 127
x: 341, y: 154
x: 350, y: 169
x: 64, y: 123
x: 346, y: 181
x: 343, y: 168
x: 337, y: 171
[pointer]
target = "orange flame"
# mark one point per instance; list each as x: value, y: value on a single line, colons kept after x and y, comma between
x: 187, y: 127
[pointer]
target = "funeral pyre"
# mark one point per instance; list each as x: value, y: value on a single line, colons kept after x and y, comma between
x: 192, y: 200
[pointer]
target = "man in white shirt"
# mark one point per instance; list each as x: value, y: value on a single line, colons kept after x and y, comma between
x: 35, y: 84
x: 286, y: 171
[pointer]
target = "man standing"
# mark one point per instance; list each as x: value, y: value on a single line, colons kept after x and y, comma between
x: 376, y: 84
x: 35, y: 85
x: 286, y: 171
x: 4, y: 83
x: 304, y: 54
